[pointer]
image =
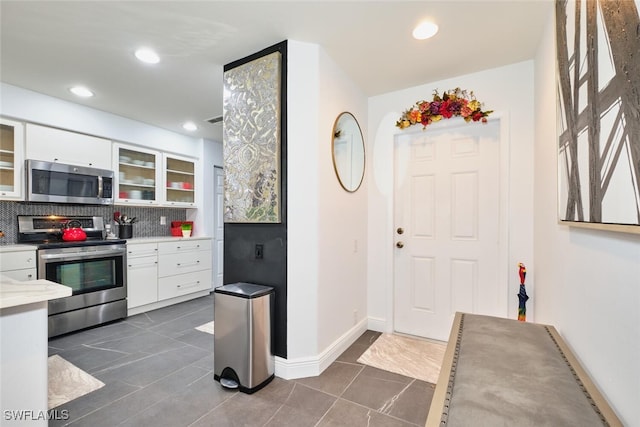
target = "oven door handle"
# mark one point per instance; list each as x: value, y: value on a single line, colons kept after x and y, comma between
x: 81, y: 255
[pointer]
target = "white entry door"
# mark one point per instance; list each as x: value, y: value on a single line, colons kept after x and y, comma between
x: 447, y: 226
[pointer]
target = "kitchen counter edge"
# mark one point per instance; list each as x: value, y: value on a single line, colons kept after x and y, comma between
x: 15, y: 293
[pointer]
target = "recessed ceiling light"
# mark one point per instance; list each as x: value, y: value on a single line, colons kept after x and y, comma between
x: 147, y: 55
x: 81, y: 91
x: 425, y: 30
x: 190, y: 126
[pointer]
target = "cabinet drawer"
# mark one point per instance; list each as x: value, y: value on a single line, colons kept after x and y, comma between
x: 21, y: 275
x: 142, y: 262
x: 174, y: 286
x: 169, y: 265
x: 184, y: 245
x: 17, y: 260
x: 141, y: 250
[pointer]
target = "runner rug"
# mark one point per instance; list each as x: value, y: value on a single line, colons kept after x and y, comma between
x: 412, y: 357
x: 68, y: 382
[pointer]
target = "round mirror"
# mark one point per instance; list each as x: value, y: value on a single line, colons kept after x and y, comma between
x: 348, y: 151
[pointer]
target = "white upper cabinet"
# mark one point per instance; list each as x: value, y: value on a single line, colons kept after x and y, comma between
x: 147, y: 177
x: 61, y: 146
x: 11, y: 159
x: 137, y: 175
x: 179, y: 181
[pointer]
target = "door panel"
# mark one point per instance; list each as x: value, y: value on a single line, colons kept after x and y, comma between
x: 447, y: 203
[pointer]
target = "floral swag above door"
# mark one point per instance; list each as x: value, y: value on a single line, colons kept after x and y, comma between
x: 452, y: 103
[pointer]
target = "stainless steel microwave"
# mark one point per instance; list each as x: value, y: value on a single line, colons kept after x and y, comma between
x: 61, y: 183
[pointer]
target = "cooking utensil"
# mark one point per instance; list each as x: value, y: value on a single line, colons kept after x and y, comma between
x: 73, y: 232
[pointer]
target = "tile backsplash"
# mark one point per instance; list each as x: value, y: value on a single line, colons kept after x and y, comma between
x: 147, y: 222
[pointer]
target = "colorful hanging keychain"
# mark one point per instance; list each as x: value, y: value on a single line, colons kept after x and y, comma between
x: 522, y: 295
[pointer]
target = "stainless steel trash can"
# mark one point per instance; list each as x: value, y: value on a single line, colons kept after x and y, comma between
x: 242, y: 355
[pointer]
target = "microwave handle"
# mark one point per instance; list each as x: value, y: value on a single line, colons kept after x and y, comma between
x: 100, y: 189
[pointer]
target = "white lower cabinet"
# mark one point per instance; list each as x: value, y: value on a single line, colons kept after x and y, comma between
x: 182, y: 284
x: 142, y: 274
x: 19, y: 264
x: 167, y: 272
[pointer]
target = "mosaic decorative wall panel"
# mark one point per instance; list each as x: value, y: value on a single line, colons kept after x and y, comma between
x: 251, y: 139
x: 598, y: 109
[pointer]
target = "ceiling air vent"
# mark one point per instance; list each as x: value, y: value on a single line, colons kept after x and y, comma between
x: 215, y: 120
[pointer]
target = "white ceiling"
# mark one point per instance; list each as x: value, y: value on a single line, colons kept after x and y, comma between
x: 48, y: 46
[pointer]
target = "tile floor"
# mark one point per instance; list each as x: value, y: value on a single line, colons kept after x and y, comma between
x: 158, y: 371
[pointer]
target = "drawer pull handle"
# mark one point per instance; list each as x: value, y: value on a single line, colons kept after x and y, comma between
x: 187, y: 265
x: 189, y: 285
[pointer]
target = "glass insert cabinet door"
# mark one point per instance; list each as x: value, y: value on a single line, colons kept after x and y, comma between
x: 180, y: 183
x: 137, y: 175
x: 11, y: 159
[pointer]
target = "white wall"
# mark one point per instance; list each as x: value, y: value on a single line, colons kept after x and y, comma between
x: 303, y: 139
x: 509, y: 92
x: 326, y: 277
x: 587, y: 281
x: 343, y: 215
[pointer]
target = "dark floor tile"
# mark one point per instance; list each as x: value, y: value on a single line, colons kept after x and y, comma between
x: 276, y: 392
x: 167, y: 314
x: 360, y: 345
x: 196, y: 338
x: 375, y: 388
x: 368, y: 338
x: 88, y: 403
x: 291, y: 417
x: 239, y: 410
x: 144, y: 371
x: 413, y: 403
x: 205, y: 362
x: 133, y: 404
x: 348, y: 414
x: 183, y: 407
x: 183, y: 324
x: 89, y: 358
x: 335, y: 379
x: 308, y: 401
x: 65, y: 342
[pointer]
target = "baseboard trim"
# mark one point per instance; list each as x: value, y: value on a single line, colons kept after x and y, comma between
x: 303, y: 367
x: 377, y: 324
x: 165, y: 303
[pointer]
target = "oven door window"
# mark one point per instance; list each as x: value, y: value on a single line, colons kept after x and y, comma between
x: 87, y: 275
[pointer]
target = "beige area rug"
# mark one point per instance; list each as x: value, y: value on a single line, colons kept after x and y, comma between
x: 412, y: 357
x: 207, y: 327
x: 68, y: 382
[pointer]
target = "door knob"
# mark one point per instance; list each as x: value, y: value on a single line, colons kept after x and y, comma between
x: 399, y: 245
x: 400, y: 230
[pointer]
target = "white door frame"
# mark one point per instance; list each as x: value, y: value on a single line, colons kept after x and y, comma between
x: 503, y: 249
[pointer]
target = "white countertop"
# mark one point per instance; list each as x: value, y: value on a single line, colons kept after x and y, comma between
x: 164, y: 239
x: 17, y: 248
x: 15, y: 293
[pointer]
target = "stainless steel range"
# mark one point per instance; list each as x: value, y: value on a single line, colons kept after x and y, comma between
x: 95, y: 269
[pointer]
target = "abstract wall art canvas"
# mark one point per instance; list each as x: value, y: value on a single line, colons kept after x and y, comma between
x: 598, y: 111
x: 251, y: 140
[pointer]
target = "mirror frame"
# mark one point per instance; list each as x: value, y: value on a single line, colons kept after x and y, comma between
x: 333, y: 151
